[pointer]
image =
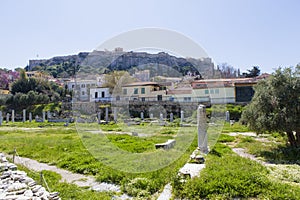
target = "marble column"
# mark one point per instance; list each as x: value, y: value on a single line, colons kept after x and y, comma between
x: 151, y: 116
x: 1, y: 118
x: 48, y: 115
x: 227, y: 116
x: 24, y: 115
x: 181, y: 116
x: 44, y: 116
x: 99, y: 117
x: 106, y: 114
x: 13, y: 116
x: 115, y: 114
x: 30, y: 117
x: 161, y: 117
x: 171, y: 117
x: 202, y: 129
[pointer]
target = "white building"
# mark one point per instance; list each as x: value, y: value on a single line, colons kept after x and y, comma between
x: 99, y: 94
x: 81, y: 88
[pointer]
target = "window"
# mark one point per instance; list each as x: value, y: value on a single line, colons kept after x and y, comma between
x: 82, y: 85
x: 96, y: 95
x: 159, y: 97
x: 206, y: 92
x: 73, y: 86
x: 143, y: 98
x: 125, y: 91
x: 82, y: 93
x: 142, y: 90
x: 212, y: 91
x: 136, y: 91
x: 216, y: 91
x: 187, y: 99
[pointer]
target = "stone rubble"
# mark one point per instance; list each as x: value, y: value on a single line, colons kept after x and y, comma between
x: 16, y: 185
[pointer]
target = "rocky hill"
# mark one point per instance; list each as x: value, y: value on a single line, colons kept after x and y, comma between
x: 119, y: 60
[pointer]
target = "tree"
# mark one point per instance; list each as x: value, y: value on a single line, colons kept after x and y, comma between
x: 23, y: 75
x: 276, y: 105
x: 255, y: 71
x: 226, y: 71
x: 7, y: 77
x: 115, y: 80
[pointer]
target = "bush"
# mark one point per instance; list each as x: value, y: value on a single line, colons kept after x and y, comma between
x: 220, y: 150
x: 139, y: 187
x: 167, y: 132
x: 226, y: 138
x: 220, y: 110
x: 229, y: 176
x: 247, y: 139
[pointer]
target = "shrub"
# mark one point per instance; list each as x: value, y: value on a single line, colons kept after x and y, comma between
x: 167, y: 132
x: 226, y: 138
x: 230, y: 176
x: 139, y: 187
x: 247, y: 139
x: 219, y: 110
x: 220, y: 150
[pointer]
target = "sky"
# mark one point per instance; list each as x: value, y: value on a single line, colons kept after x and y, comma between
x: 242, y: 33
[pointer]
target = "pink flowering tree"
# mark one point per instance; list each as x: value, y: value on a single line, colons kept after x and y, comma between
x: 7, y: 77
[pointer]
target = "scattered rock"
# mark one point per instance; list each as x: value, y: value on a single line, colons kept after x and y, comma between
x: 16, y: 185
x: 106, y: 187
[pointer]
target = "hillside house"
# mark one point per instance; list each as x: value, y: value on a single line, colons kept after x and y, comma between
x: 219, y: 91
x: 100, y: 94
x: 4, y: 92
x: 181, y: 95
x: 143, y: 91
x: 81, y: 88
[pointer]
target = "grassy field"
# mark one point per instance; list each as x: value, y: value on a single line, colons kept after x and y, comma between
x: 229, y: 176
x: 65, y: 148
x: 80, y: 149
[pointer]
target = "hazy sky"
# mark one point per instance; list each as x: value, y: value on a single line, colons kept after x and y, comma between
x: 243, y: 33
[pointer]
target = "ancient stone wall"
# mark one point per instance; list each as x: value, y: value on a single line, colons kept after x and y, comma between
x: 15, y: 184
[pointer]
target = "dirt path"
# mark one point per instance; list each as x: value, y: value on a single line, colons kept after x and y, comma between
x: 166, y: 193
x: 280, y: 172
x: 241, y: 152
x: 67, y: 176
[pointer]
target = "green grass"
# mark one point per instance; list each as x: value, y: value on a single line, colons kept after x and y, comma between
x: 65, y: 148
x: 236, y: 127
x: 275, y: 151
x: 229, y: 176
x: 136, y: 144
x: 226, y: 138
x: 34, y: 124
x: 122, y: 148
x: 226, y: 175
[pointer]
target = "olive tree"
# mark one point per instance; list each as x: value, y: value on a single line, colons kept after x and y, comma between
x: 115, y: 79
x: 276, y: 105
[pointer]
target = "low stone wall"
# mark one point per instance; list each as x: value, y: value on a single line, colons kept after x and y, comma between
x: 16, y: 185
x: 56, y: 120
x: 167, y: 145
